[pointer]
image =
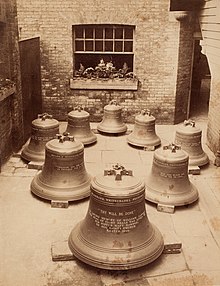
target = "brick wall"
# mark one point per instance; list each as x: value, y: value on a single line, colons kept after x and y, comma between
x: 11, y: 133
x: 156, y: 53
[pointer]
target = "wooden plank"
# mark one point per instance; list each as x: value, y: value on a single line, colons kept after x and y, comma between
x: 208, y: 11
x: 210, y: 26
x: 60, y: 250
x: 209, y: 34
x: 165, y: 208
x: 215, y: 43
x: 60, y: 204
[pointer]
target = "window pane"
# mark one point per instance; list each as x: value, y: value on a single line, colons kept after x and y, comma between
x: 128, y: 46
x: 118, y: 33
x: 79, y: 46
x: 118, y: 46
x: 109, y: 46
x: 89, y: 45
x: 78, y: 32
x: 109, y: 33
x: 89, y: 33
x: 128, y: 33
x: 98, y: 46
x: 98, y: 33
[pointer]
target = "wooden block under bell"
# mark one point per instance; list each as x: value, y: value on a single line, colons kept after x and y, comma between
x: 60, y: 251
x: 165, y: 208
x: 35, y: 165
x: 194, y: 170
x: 60, y: 204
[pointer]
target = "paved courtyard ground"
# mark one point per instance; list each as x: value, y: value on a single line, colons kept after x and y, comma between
x: 29, y: 225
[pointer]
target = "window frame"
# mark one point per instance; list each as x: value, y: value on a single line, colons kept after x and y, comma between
x: 104, y: 40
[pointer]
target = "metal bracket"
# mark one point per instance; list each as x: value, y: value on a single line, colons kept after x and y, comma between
x: 118, y: 170
x: 64, y: 137
x: 173, y: 147
x: 45, y: 116
x: 146, y: 112
x: 189, y: 122
x: 78, y: 107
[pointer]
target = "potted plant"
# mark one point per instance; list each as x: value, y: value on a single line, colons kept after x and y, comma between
x: 104, y: 76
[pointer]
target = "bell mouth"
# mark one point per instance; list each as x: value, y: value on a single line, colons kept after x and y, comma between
x: 116, y: 259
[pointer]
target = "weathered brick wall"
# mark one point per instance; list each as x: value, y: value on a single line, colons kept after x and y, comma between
x: 156, y: 53
x: 11, y: 133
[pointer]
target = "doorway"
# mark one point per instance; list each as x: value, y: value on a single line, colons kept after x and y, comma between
x: 200, y: 87
x: 30, y: 82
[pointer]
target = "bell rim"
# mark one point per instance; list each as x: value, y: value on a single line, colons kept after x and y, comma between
x: 30, y: 155
x: 192, y: 195
x: 121, y: 129
x: 145, y: 143
x: 112, y: 265
x: 52, y: 193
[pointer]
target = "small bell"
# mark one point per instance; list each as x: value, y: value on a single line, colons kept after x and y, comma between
x: 43, y: 129
x: 144, y: 134
x: 63, y: 177
x: 168, y: 182
x: 189, y: 137
x: 79, y: 126
x: 112, y: 120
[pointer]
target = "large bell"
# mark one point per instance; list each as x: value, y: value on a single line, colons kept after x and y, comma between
x: 144, y: 134
x: 79, y: 126
x: 168, y: 182
x: 112, y: 120
x: 43, y: 129
x: 116, y: 233
x: 189, y: 137
x: 63, y: 177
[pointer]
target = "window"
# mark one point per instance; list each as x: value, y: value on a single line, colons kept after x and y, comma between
x: 112, y: 43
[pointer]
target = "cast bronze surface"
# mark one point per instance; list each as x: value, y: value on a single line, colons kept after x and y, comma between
x: 112, y: 121
x: 79, y: 126
x: 116, y: 233
x: 168, y: 182
x: 43, y: 129
x: 144, y: 131
x: 189, y: 137
x: 64, y: 176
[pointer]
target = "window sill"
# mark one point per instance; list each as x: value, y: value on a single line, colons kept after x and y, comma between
x: 104, y: 84
x: 6, y: 91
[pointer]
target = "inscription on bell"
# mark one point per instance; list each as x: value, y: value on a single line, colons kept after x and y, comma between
x: 69, y: 168
x: 117, y: 222
x: 172, y: 175
x: 40, y: 138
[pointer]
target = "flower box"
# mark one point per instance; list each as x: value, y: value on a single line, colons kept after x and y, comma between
x: 104, y: 84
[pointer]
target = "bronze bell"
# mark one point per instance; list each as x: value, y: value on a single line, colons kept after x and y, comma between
x: 112, y: 120
x: 116, y: 233
x: 144, y: 134
x: 43, y: 129
x: 168, y: 182
x: 63, y: 177
x: 79, y: 126
x: 189, y: 137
